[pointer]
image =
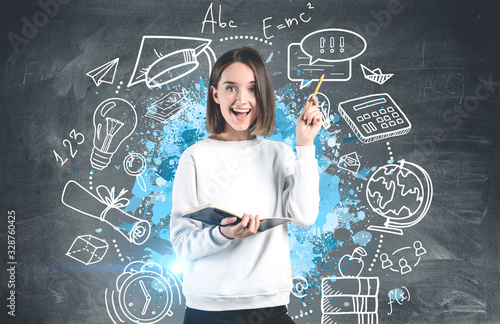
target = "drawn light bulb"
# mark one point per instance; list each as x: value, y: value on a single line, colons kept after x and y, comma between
x: 325, y: 113
x: 114, y: 120
x: 324, y: 107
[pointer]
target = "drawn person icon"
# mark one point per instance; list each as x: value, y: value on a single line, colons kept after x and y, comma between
x: 419, y: 249
x: 386, y: 263
x: 404, y: 267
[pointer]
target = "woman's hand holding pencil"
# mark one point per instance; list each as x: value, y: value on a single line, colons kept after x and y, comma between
x: 310, y: 120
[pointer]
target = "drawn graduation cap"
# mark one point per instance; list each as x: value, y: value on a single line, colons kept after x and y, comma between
x: 104, y: 73
x: 164, y: 59
x: 375, y: 75
x: 168, y: 106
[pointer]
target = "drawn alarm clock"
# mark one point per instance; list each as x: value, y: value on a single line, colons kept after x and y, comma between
x: 144, y: 294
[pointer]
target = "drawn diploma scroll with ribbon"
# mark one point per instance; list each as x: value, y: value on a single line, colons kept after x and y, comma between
x: 108, y: 210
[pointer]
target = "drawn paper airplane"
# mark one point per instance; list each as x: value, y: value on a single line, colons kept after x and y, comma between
x: 103, y: 73
x: 375, y: 75
x: 168, y: 106
x: 350, y: 162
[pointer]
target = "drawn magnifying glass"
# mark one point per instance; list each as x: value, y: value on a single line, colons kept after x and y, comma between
x: 135, y: 165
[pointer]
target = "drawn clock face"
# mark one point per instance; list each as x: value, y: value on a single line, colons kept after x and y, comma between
x: 146, y: 297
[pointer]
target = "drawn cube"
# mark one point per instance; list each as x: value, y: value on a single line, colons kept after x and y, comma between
x: 88, y: 249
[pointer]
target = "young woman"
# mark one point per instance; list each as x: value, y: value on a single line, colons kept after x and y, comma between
x: 233, y: 273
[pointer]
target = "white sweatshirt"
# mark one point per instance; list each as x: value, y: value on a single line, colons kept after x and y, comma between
x: 258, y: 177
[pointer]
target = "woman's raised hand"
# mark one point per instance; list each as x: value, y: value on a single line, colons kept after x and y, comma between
x: 309, y: 123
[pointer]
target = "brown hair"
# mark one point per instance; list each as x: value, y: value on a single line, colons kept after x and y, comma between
x: 264, y: 92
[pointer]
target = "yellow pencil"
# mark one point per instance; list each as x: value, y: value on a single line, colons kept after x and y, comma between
x: 316, y: 90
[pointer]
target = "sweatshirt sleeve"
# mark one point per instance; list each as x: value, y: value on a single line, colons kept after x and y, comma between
x: 301, y: 192
x: 190, y: 239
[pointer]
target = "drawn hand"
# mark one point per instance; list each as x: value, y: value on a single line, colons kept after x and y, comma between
x: 309, y: 123
x: 247, y: 227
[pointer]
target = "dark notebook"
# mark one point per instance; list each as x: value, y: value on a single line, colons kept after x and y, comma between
x: 213, y: 214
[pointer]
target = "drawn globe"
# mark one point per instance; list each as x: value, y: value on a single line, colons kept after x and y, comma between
x: 400, y: 192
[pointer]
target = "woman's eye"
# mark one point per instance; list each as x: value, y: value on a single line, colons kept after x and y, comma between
x: 230, y: 88
x: 253, y: 89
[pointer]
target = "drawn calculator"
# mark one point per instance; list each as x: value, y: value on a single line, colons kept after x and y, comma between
x: 374, y: 117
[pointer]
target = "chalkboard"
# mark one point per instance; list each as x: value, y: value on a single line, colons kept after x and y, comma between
x: 100, y: 99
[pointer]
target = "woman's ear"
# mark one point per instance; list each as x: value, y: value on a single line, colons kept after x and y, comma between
x: 215, y: 94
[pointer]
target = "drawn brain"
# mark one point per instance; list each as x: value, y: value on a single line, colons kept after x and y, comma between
x: 396, y: 191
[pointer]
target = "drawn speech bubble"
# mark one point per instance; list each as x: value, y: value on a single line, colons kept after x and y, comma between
x: 333, y: 45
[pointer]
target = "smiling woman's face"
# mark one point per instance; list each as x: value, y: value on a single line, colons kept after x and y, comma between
x: 235, y: 94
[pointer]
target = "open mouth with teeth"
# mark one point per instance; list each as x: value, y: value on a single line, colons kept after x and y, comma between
x: 240, y: 113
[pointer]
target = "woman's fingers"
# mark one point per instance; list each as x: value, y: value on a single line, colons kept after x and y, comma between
x: 251, y: 227
x: 255, y: 226
x: 314, y: 100
x: 314, y: 116
x: 307, y: 111
x: 228, y: 220
x: 248, y: 226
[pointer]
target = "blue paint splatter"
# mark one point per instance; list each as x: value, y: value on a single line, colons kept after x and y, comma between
x: 270, y: 57
x: 150, y: 145
x: 349, y: 139
x: 395, y: 294
x: 362, y: 238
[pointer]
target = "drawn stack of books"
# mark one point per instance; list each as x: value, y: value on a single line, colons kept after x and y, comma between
x: 168, y: 106
x: 349, y: 300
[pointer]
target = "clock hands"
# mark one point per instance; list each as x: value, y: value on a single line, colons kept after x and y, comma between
x: 147, y: 295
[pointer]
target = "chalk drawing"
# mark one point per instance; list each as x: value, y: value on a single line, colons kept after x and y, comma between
x: 349, y: 300
x: 169, y: 105
x: 300, y: 287
x: 402, y: 193
x: 399, y: 296
x: 104, y: 73
x: 144, y: 294
x: 404, y: 257
x: 350, y: 162
x: 109, y: 210
x: 164, y: 59
x: 131, y: 168
x: 352, y: 265
x: 375, y: 75
x: 374, y: 117
x: 308, y: 60
x: 88, y: 249
x: 115, y: 120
